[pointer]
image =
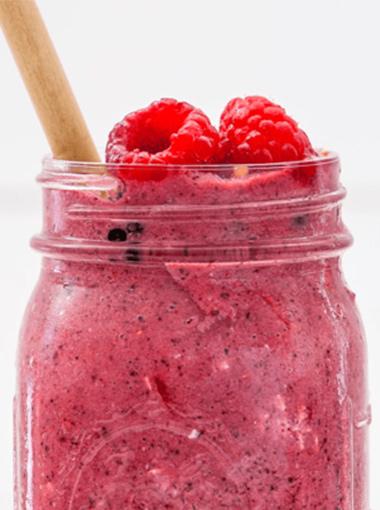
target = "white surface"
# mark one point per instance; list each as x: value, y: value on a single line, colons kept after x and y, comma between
x: 320, y: 59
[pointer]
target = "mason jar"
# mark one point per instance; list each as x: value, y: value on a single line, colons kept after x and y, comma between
x: 191, y: 342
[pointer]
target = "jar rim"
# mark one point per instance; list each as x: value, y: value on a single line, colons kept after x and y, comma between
x: 52, y: 164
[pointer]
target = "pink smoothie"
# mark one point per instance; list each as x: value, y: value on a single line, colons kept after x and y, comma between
x: 191, y: 344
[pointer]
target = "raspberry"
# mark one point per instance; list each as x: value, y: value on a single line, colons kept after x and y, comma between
x: 255, y: 130
x: 166, y: 132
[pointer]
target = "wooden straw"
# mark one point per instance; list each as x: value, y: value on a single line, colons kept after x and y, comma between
x: 46, y: 82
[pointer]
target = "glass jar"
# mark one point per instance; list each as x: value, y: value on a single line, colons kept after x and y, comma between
x: 191, y: 343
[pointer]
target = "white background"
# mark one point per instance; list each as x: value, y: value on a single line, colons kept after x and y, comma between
x: 318, y: 58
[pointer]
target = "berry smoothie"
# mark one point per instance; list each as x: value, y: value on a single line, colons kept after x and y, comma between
x: 191, y: 344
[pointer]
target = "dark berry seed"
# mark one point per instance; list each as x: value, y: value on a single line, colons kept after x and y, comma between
x: 117, y: 235
x: 133, y: 255
x: 300, y: 220
x: 135, y: 228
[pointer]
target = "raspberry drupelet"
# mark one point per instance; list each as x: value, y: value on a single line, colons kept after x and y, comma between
x: 255, y: 130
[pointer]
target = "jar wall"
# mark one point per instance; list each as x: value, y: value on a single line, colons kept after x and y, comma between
x: 193, y: 386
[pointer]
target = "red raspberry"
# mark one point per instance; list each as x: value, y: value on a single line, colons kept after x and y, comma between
x: 255, y: 130
x: 166, y: 132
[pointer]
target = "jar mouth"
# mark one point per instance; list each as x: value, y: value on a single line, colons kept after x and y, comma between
x: 112, y: 179
x: 325, y: 157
